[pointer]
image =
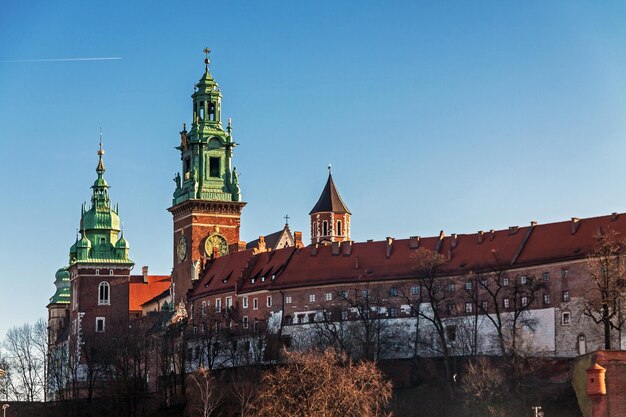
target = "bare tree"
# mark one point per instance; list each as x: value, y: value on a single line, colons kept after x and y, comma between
x: 323, y: 384
x: 604, y: 296
x: 482, y: 383
x: 244, y: 388
x: 210, y: 396
x: 27, y: 361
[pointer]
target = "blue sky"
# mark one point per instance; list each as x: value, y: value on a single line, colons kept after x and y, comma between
x: 459, y: 116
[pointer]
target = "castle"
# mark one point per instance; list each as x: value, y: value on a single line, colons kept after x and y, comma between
x: 485, y: 292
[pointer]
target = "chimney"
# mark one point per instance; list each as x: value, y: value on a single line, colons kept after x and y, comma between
x: 261, y: 246
x: 297, y: 240
x: 454, y: 241
x: 614, y: 216
x: 493, y: 234
x: 414, y: 242
x: 334, y: 248
x: 314, y: 250
x: 513, y: 230
x: 346, y: 247
x: 388, y: 247
x: 481, y: 237
x: 575, y: 225
x: 144, y: 274
x: 442, y: 235
x: 533, y: 223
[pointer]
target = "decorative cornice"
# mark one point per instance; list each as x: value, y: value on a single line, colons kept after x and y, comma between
x: 189, y: 206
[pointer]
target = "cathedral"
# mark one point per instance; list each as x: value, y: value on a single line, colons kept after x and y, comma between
x: 534, y: 276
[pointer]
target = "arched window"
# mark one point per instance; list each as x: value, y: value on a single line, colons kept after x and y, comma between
x: 325, y: 228
x: 212, y: 111
x: 97, y: 272
x: 110, y: 272
x: 339, y: 231
x: 104, y: 293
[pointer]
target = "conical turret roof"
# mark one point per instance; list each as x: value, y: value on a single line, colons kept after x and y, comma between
x: 330, y: 200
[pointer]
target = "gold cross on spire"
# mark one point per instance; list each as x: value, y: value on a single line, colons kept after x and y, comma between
x: 100, y: 151
x: 207, y: 61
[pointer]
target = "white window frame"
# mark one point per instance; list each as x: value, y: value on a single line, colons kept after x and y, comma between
x: 229, y: 302
x: 218, y: 305
x: 566, y: 318
x: 469, y: 307
x: 103, y: 320
x: 311, y: 298
x: 255, y: 304
x: 506, y: 303
x: 245, y: 302
x: 244, y: 322
x: 269, y: 300
x: 524, y: 301
x: 328, y: 296
x: 104, y: 301
x: 288, y: 299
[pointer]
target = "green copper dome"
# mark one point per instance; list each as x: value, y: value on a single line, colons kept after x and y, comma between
x: 100, y: 240
x: 62, y: 284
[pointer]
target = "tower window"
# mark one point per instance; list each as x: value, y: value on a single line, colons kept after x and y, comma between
x: 201, y: 110
x: 339, y: 231
x: 99, y: 324
x: 212, y: 111
x: 325, y: 228
x: 214, y: 167
x: 104, y: 293
x: 187, y: 164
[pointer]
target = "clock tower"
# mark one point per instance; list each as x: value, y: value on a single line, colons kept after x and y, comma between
x: 206, y: 206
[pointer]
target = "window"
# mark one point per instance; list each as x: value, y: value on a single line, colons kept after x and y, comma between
x: 566, y: 318
x: 524, y: 301
x: 506, y: 303
x: 244, y: 322
x: 393, y: 312
x: 344, y: 315
x: 523, y: 280
x: 469, y: 307
x: 214, y: 167
x: 212, y: 111
x: 469, y: 285
x: 366, y: 294
x: 187, y: 166
x: 485, y: 305
x: 450, y: 308
x: 74, y: 295
x: 263, y: 278
x: 450, y: 288
x: 484, y: 282
x: 288, y: 299
x: 203, y: 308
x: 565, y: 296
x: 245, y: 302
x: 343, y: 294
x: 255, y: 304
x: 451, y: 333
x: 505, y: 281
x: 110, y: 272
x: 545, y: 276
x: 311, y: 298
x: 229, y: 302
x: 328, y: 296
x: 104, y: 294
x: 99, y: 324
x: 339, y: 231
x: 564, y: 273
x: 218, y: 305
x: 393, y: 292
x: 324, y: 228
x: 415, y: 290
x: 97, y: 272
x: 269, y: 300
x: 546, y: 299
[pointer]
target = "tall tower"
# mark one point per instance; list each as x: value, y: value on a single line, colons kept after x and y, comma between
x: 99, y: 267
x: 330, y: 218
x: 206, y: 205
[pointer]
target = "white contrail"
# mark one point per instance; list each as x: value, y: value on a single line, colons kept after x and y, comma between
x: 112, y: 58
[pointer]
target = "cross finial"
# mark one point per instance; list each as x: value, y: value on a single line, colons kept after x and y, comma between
x: 287, y: 219
x: 100, y: 151
x: 330, y: 169
x: 207, y: 61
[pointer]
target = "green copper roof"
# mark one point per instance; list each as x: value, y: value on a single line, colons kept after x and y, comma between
x: 101, y: 240
x: 62, y: 283
x: 207, y: 149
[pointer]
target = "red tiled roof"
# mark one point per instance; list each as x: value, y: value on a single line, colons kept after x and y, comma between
x: 370, y: 261
x: 140, y: 292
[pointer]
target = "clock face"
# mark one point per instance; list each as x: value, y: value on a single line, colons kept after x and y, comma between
x: 218, y: 242
x: 181, y: 249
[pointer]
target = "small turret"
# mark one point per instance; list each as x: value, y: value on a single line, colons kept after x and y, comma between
x: 596, y: 382
x: 330, y: 218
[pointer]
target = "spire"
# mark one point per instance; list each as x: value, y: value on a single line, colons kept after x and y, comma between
x: 207, y: 61
x: 330, y: 200
x: 100, y: 168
